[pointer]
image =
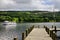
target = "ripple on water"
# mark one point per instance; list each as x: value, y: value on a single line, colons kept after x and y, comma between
x: 8, y: 35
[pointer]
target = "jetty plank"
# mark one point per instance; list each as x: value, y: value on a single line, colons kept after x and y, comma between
x: 38, y: 34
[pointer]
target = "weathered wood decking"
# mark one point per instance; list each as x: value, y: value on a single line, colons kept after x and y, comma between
x: 38, y: 34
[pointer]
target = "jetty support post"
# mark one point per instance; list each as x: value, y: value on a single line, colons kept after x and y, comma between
x: 15, y: 39
x: 55, y: 29
x: 26, y: 32
x: 52, y: 26
x: 22, y: 36
x: 54, y: 36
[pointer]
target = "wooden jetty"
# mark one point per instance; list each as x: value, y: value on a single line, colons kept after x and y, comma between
x: 38, y: 34
x: 44, y: 33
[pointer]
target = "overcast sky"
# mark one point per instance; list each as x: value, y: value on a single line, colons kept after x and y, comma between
x: 23, y: 5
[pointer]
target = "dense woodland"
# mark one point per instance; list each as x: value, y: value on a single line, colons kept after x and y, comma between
x: 29, y: 16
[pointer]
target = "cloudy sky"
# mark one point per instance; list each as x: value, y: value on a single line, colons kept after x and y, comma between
x: 23, y: 5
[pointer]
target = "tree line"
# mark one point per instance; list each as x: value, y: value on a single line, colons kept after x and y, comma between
x: 29, y: 16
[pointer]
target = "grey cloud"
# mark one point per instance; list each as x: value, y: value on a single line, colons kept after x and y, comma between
x: 25, y: 5
x: 19, y: 4
x: 57, y: 4
x: 23, y: 1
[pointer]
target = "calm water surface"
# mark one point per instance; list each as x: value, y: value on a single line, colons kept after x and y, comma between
x: 9, y: 32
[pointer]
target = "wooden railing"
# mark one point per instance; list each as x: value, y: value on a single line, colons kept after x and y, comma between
x: 25, y: 34
x: 51, y: 33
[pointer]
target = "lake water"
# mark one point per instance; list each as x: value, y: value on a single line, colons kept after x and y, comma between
x: 9, y: 32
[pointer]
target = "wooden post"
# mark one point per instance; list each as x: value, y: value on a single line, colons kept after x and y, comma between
x: 51, y: 33
x: 44, y: 26
x: 26, y: 33
x: 22, y: 36
x: 52, y: 26
x: 55, y: 29
x: 54, y: 36
x: 15, y: 39
x: 48, y: 30
x: 33, y: 26
x: 28, y: 30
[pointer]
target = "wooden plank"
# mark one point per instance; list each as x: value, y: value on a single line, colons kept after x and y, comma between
x: 38, y: 34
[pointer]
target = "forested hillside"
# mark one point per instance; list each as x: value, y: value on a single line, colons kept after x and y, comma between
x: 29, y: 16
